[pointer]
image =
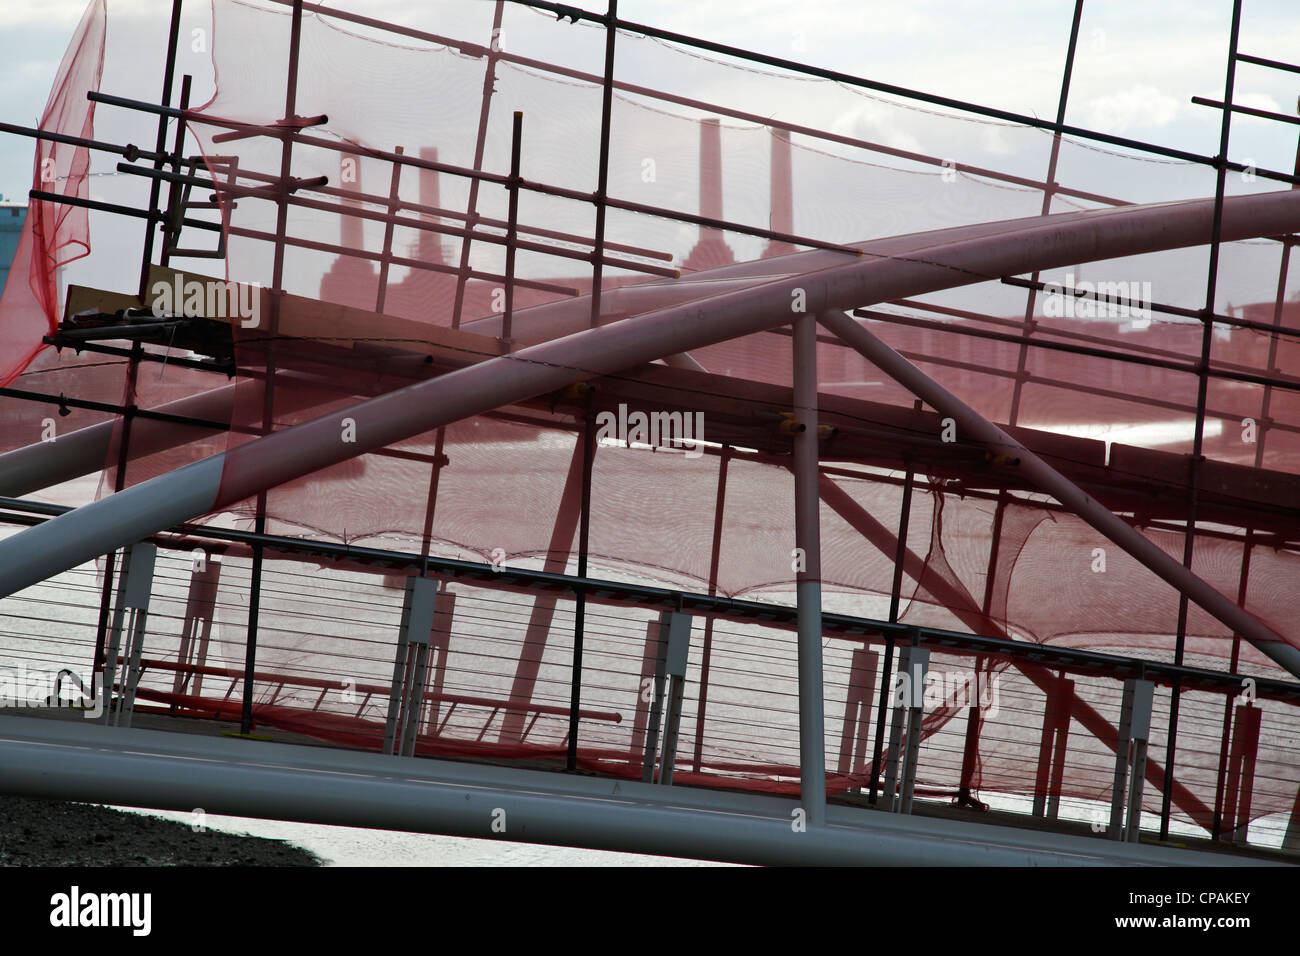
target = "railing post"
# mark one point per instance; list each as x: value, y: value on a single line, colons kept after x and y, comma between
x: 807, y: 510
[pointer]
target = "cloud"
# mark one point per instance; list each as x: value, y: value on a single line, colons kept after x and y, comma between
x: 51, y: 14
x: 1259, y: 101
x: 1141, y: 106
x: 876, y: 123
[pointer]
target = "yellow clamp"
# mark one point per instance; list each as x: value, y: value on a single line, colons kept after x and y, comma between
x: 792, y: 427
x: 1005, y: 461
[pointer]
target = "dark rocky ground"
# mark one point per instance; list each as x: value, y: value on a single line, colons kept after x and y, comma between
x: 50, y: 833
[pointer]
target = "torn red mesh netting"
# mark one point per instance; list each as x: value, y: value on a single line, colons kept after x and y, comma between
x: 54, y: 234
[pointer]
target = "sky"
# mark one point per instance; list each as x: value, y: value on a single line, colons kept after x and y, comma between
x: 1136, y: 69
x: 1137, y: 65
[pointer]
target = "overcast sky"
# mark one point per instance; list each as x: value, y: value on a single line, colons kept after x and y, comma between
x: 1137, y: 67
x: 1138, y: 63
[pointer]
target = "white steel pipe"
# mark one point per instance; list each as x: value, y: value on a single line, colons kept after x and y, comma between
x: 932, y: 261
x: 132, y: 767
x: 808, y: 574
x: 44, y: 464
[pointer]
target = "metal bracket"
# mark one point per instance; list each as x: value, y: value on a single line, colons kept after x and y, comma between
x: 131, y: 614
x: 410, y: 666
x: 669, y: 686
x: 1131, y: 760
x: 908, y: 703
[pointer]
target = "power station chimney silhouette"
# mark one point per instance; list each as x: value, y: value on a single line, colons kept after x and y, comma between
x: 428, y: 246
x: 782, y: 185
x: 351, y: 281
x: 424, y: 294
x: 711, y: 250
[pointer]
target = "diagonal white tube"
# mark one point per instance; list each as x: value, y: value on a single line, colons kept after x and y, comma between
x: 971, y: 424
x: 934, y: 261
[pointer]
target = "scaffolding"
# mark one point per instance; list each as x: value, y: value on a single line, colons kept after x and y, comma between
x: 581, y: 646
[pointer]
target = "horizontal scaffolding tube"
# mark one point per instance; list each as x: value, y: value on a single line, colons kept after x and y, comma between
x: 440, y: 212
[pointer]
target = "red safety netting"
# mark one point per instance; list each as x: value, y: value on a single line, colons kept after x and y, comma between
x: 53, y: 234
x: 1117, y: 393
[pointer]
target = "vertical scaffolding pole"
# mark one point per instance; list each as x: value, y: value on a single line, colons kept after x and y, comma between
x: 1049, y: 190
x: 1202, y: 387
x: 606, y: 108
x: 268, y: 399
x: 895, y: 599
x: 807, y: 525
x: 458, y: 305
x: 971, y: 755
x: 580, y: 605
x: 160, y: 144
x: 381, y: 293
x: 137, y: 349
x: 715, y: 559
x: 471, y: 207
x: 1243, y: 585
x: 512, y: 227
x: 146, y: 259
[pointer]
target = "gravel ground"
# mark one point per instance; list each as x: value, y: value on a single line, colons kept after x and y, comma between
x: 49, y: 833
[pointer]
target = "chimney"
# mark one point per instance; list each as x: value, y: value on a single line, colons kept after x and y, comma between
x: 351, y: 281
x: 711, y: 169
x: 350, y: 237
x: 712, y: 250
x: 429, y: 244
x: 782, y: 203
